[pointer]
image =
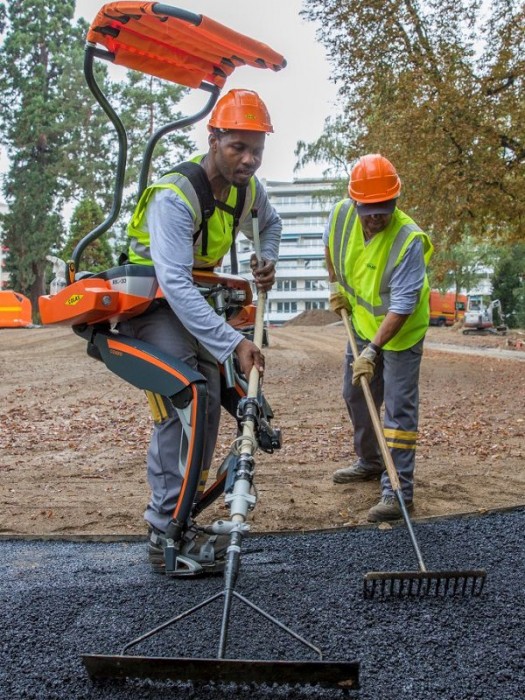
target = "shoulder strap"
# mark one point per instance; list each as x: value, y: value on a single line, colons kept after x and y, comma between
x: 200, y: 183
x: 239, y: 206
x: 236, y: 213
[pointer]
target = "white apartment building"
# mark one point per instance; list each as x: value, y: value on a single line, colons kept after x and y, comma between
x: 301, y: 274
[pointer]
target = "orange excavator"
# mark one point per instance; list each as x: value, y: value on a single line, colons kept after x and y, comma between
x: 197, y: 52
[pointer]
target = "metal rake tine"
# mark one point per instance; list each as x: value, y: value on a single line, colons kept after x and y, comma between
x: 476, y: 589
x: 403, y: 587
x: 481, y: 579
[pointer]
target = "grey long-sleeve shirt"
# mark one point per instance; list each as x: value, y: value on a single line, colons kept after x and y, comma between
x: 171, y: 228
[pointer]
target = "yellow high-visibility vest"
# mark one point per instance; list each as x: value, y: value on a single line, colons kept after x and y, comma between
x: 364, y: 272
x: 220, y: 224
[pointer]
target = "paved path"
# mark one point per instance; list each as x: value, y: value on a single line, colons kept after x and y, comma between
x: 64, y: 599
x: 483, y: 352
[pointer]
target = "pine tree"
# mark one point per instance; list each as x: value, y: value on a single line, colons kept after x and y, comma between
x: 98, y: 255
x: 35, y: 54
x: 146, y: 103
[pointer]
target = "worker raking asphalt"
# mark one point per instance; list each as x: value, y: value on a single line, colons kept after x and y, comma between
x: 64, y: 599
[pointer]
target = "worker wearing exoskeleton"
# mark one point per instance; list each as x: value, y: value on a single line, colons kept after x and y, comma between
x: 377, y: 258
x: 168, y: 230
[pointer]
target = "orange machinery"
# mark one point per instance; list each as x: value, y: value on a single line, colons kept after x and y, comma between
x: 15, y: 310
x: 175, y: 45
x: 446, y: 308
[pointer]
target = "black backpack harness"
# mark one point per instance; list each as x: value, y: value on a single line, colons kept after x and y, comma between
x: 200, y: 183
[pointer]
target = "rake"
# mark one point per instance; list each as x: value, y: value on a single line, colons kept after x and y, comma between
x: 421, y: 583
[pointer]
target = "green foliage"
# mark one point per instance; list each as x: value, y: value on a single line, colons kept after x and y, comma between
x: 442, y: 96
x: 334, y: 147
x: 98, y: 255
x: 520, y: 305
x: 60, y: 145
x: 508, y: 284
x: 87, y: 167
x: 29, y: 230
x: 34, y: 55
x: 146, y: 103
x: 461, y: 266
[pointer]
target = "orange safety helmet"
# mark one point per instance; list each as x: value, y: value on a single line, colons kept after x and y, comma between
x: 373, y: 179
x: 241, y: 110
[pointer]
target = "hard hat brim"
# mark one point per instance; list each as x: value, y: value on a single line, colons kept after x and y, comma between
x: 386, y: 207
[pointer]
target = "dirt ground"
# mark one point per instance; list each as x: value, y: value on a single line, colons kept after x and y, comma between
x: 73, y: 437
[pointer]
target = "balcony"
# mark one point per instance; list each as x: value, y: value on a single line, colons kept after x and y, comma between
x: 303, y: 207
x: 298, y: 295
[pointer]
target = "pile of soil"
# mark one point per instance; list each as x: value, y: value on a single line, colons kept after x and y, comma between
x: 73, y: 436
x: 314, y: 317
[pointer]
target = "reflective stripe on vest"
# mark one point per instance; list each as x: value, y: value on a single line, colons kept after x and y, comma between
x: 363, y: 270
x: 340, y: 245
x: 342, y: 233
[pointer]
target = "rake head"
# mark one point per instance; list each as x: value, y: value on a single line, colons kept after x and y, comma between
x: 420, y: 584
x: 328, y: 674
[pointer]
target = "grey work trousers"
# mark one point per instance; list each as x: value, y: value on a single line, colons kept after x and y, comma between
x: 165, y: 468
x: 396, y: 383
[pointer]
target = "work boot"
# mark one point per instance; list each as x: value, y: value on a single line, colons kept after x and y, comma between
x: 198, y: 552
x: 358, y: 471
x: 387, y: 509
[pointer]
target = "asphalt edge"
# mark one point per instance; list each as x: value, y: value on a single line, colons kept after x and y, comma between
x: 60, y: 537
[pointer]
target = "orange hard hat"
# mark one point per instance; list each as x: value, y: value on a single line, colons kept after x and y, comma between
x: 242, y: 110
x: 373, y: 179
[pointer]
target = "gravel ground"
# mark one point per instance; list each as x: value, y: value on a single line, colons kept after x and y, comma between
x: 62, y: 599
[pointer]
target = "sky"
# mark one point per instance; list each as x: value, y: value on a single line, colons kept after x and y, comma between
x: 299, y: 98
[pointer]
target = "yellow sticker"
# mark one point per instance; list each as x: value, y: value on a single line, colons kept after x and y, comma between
x: 74, y: 299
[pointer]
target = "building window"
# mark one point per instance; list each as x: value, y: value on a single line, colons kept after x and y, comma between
x: 286, y: 307
x: 309, y: 305
x: 286, y: 285
x: 311, y: 285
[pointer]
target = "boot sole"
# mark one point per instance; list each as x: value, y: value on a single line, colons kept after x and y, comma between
x: 352, y: 479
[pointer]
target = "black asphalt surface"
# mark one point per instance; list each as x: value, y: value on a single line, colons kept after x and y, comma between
x: 63, y: 599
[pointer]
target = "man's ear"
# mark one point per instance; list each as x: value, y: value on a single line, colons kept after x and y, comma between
x: 212, y: 141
